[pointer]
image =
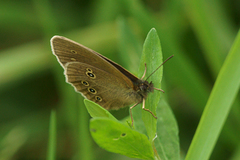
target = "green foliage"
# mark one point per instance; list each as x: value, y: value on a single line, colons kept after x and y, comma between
x: 218, y: 106
x: 165, y: 143
x: 52, y: 136
x: 152, y: 56
x: 97, y: 111
x: 116, y: 137
x: 198, y: 33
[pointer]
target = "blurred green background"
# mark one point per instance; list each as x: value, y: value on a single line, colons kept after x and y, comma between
x: 198, y: 32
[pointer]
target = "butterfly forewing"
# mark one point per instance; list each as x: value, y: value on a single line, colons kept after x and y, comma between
x: 96, y: 85
x: 67, y: 50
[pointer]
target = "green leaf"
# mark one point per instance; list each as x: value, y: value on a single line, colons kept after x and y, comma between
x: 167, y: 141
x: 152, y: 56
x: 118, y: 138
x: 96, y: 110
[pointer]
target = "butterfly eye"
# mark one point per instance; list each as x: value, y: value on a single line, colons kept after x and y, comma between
x: 91, y: 75
x: 85, y: 83
x: 74, y: 52
x: 92, y: 90
x: 98, y: 99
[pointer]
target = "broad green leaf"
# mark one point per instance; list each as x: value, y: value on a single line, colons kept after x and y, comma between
x: 118, y: 138
x: 152, y: 56
x: 167, y: 141
x: 97, y: 111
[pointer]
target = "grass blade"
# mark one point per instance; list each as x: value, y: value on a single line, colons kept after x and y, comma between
x: 52, y: 136
x: 218, y: 106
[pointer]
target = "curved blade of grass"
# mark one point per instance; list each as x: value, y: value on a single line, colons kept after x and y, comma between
x: 118, y: 138
x: 217, y: 108
x: 51, y: 155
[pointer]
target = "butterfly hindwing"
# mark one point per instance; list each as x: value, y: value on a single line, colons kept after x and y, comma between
x: 97, y: 85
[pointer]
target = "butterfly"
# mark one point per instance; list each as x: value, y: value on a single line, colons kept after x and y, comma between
x: 98, y: 78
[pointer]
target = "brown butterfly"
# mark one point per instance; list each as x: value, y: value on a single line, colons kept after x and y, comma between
x: 98, y: 78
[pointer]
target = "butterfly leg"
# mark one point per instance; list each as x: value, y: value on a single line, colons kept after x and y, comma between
x: 159, y: 89
x: 131, y: 111
x: 144, y: 71
x: 143, y: 107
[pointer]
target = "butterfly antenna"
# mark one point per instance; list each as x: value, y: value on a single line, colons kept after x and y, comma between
x: 160, y: 66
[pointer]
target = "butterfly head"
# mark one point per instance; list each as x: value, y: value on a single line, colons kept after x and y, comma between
x: 144, y: 87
